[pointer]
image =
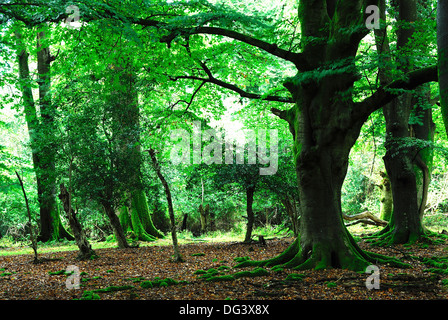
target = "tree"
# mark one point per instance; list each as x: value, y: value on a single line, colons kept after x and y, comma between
x: 41, y: 130
x: 442, y: 43
x: 177, y: 255
x: 85, y: 249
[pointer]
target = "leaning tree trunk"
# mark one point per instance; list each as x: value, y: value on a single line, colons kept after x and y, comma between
x: 85, y: 250
x: 115, y: 224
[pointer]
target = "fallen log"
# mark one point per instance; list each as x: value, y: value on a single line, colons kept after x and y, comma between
x: 364, y: 217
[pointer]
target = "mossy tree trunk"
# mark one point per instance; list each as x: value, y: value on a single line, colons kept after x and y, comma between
x: 325, y: 123
x: 442, y: 45
x: 400, y: 159
x: 126, y: 113
x: 423, y: 130
x: 141, y: 220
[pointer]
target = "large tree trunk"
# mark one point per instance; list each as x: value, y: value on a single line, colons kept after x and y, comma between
x: 406, y: 224
x: 442, y: 44
x: 126, y: 114
x: 325, y: 123
x: 41, y: 132
x: 323, y: 240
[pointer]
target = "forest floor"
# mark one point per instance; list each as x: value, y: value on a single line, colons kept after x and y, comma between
x: 121, y: 274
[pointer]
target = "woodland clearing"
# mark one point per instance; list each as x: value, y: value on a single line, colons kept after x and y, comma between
x: 121, y: 274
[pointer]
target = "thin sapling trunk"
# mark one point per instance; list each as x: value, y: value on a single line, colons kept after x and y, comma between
x: 155, y: 163
x: 32, y: 234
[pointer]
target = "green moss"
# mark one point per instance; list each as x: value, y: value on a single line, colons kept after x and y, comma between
x: 198, y: 254
x: 257, y: 272
x: 331, y: 284
x: 241, y: 259
x: 138, y: 279
x: 212, y: 271
x: 113, y: 288
x: 56, y: 272
x: 200, y: 272
x: 157, y: 282
x: 141, y: 217
x: 90, y: 295
x: 295, y: 277
x: 222, y: 268
x: 146, y: 284
x: 242, y: 274
x: 5, y: 274
x: 220, y: 278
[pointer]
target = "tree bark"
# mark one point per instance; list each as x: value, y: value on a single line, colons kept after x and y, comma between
x: 387, y: 203
x: 291, y: 209
x: 442, y: 44
x: 406, y: 224
x: 41, y: 132
x: 250, y: 213
x: 33, y: 236
x: 85, y: 250
x: 126, y: 114
x: 115, y: 224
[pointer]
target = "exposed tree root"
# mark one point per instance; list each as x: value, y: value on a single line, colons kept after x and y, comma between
x: 389, y: 236
x: 320, y: 256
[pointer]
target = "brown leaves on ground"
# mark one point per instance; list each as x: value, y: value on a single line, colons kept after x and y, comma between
x: 20, y: 279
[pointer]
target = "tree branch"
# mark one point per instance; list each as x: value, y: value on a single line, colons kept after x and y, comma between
x: 234, y: 88
x: 296, y: 58
x: 385, y: 94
